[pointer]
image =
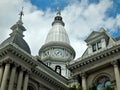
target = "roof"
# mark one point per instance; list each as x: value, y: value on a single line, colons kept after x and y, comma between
x: 16, y: 37
x: 57, y: 32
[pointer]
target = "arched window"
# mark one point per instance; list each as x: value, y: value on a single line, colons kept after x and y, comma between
x: 58, y: 69
x: 103, y: 82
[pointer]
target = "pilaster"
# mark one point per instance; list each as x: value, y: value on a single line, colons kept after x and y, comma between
x: 117, y: 74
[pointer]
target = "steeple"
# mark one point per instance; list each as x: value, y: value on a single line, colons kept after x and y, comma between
x: 18, y: 28
x: 16, y: 37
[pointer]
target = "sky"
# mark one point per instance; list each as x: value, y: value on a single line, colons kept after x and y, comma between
x: 81, y: 17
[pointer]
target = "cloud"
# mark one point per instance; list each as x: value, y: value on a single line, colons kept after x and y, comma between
x: 80, y: 19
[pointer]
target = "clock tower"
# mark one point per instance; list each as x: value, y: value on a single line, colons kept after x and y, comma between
x: 57, y: 51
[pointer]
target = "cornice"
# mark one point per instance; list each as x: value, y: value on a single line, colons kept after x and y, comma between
x: 18, y: 52
x: 52, y: 80
x: 94, y: 57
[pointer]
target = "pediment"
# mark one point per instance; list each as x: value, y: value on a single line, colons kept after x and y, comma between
x: 93, y: 35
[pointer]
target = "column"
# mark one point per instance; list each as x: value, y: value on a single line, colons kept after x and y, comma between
x: 1, y: 73
x: 5, y: 77
x: 117, y: 74
x: 76, y: 83
x: 25, y: 82
x: 84, y: 86
x: 12, y: 78
x: 20, y: 78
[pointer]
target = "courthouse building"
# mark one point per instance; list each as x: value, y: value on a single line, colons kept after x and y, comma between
x: 55, y: 68
x: 99, y: 64
x: 19, y: 70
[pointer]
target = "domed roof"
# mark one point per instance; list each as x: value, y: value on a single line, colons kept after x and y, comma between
x: 20, y: 42
x: 16, y: 37
x: 58, y: 32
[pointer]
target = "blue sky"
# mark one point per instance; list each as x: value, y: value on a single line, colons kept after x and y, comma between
x: 53, y: 4
x: 81, y: 17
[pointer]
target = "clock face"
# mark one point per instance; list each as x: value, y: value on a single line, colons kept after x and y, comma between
x: 58, y: 52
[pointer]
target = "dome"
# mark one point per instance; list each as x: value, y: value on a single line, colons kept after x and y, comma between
x: 20, y: 42
x: 16, y: 37
x: 57, y: 34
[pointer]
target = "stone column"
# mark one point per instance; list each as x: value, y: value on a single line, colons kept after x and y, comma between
x: 5, y: 77
x: 117, y: 74
x: 1, y: 73
x: 76, y: 83
x: 25, y: 82
x: 20, y: 78
x: 12, y: 78
x: 84, y: 84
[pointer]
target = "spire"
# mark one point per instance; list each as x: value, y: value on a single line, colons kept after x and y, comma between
x: 18, y: 28
x: 58, y: 11
x: 20, y: 18
x: 21, y: 14
x: 58, y: 18
x: 16, y: 37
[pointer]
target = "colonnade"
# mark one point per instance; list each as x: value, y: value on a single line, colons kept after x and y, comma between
x: 8, y: 73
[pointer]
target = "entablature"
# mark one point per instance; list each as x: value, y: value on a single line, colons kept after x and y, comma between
x: 13, y: 54
x: 108, y: 52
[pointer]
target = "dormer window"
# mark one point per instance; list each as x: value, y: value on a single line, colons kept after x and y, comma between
x: 96, y: 46
x: 99, y: 45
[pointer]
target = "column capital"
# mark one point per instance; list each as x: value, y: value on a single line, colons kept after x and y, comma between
x: 114, y: 63
x: 16, y: 65
x: 8, y: 61
x: 83, y: 75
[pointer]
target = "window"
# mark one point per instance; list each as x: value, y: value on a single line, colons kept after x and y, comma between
x: 58, y: 69
x: 99, y: 45
x: 103, y: 82
x: 96, y: 46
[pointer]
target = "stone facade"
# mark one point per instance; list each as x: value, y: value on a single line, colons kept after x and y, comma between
x: 99, y: 64
x: 19, y: 70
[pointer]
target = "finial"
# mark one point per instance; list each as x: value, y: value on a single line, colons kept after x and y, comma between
x: 58, y: 11
x: 21, y: 14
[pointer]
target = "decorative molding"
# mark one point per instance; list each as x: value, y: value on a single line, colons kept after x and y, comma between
x: 96, y: 56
